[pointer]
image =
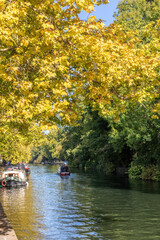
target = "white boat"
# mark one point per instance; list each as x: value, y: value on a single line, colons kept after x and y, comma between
x: 13, y: 178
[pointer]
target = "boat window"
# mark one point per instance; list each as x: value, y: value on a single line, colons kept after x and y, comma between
x: 10, y: 174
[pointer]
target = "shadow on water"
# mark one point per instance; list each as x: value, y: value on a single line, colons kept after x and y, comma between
x: 121, y: 182
x: 5, y: 226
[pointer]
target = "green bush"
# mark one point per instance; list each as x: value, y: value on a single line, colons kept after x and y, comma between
x: 147, y: 172
x: 135, y: 171
x: 151, y: 172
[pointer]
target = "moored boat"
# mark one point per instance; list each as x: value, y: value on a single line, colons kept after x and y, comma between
x: 13, y: 177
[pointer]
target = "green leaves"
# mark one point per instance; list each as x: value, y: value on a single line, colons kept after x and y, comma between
x: 134, y: 15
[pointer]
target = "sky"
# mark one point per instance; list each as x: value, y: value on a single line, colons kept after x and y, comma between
x: 104, y: 12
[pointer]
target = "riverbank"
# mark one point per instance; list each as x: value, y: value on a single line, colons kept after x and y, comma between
x: 6, y: 230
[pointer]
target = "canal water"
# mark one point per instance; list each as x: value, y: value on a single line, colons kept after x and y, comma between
x: 83, y: 206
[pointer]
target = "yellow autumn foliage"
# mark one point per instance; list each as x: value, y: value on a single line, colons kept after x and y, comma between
x: 52, y: 64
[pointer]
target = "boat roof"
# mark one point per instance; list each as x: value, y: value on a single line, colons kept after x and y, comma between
x: 13, y: 171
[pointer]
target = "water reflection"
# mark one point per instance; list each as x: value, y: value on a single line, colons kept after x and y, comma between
x: 18, y: 206
x: 82, y: 206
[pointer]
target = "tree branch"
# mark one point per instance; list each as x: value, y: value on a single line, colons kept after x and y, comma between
x: 118, y: 95
x: 7, y: 49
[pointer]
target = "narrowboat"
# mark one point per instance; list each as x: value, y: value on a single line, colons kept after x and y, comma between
x: 13, y: 178
x: 63, y: 170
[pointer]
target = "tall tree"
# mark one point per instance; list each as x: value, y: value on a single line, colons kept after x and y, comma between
x: 40, y: 44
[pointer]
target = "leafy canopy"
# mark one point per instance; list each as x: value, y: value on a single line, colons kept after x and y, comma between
x: 41, y: 45
x: 52, y: 64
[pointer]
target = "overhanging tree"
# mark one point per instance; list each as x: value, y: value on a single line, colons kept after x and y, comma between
x: 39, y: 42
x: 52, y: 62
